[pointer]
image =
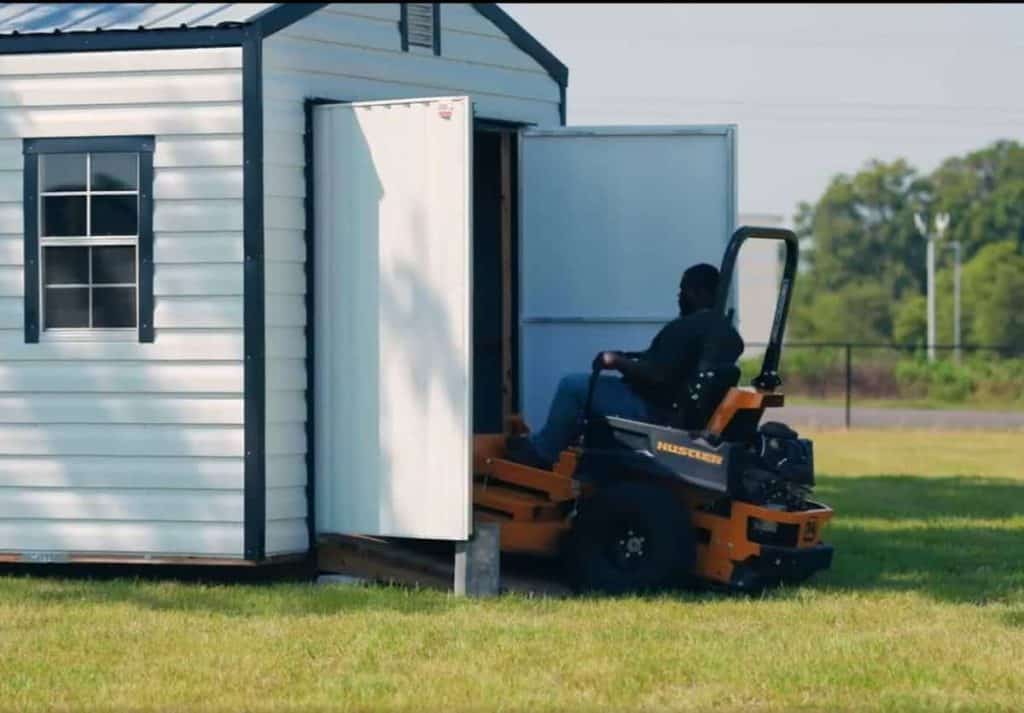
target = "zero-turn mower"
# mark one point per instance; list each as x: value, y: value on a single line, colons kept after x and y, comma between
x: 711, y: 495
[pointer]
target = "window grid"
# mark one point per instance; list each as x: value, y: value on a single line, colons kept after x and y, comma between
x: 87, y: 240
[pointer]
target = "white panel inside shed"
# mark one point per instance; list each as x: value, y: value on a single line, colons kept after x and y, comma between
x: 609, y: 219
x: 393, y: 331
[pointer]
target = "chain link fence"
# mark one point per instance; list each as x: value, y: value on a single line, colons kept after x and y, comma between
x: 844, y: 384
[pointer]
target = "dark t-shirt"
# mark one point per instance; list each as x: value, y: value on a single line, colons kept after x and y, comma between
x: 678, y: 347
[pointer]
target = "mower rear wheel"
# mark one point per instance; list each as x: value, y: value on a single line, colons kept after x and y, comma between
x: 630, y: 537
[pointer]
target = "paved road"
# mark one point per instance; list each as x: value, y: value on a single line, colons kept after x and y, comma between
x: 832, y: 417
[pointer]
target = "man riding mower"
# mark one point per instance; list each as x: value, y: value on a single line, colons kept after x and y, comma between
x: 666, y: 489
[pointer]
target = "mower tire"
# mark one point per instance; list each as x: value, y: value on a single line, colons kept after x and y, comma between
x: 629, y: 538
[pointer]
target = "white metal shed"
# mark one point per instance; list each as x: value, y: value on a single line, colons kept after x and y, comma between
x: 264, y: 269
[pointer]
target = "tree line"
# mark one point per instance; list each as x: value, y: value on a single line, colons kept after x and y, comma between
x: 864, y: 272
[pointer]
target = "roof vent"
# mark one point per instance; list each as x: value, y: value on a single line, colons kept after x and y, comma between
x: 419, y: 20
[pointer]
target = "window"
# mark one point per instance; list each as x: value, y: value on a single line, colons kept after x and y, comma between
x: 421, y: 25
x: 88, y: 236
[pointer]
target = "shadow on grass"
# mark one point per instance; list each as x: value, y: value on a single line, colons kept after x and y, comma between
x: 950, y: 538
x: 279, y: 591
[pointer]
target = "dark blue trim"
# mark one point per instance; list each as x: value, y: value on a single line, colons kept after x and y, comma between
x: 254, y: 322
x: 525, y: 41
x: 32, y: 148
x: 92, y: 144
x: 403, y: 25
x: 146, y: 333
x: 561, y: 104
x: 30, y: 177
x: 117, y: 40
x: 437, y: 29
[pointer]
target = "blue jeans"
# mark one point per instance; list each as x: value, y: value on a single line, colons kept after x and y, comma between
x: 612, y: 397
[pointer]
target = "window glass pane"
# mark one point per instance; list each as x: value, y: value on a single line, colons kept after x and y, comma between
x: 62, y: 172
x: 113, y: 307
x: 66, y: 307
x: 115, y: 215
x: 113, y: 264
x: 114, y: 172
x: 66, y: 266
x: 63, y: 216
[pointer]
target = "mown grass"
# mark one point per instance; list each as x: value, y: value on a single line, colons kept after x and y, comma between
x: 923, y: 610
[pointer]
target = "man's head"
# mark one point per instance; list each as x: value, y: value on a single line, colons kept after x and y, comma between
x: 697, y: 288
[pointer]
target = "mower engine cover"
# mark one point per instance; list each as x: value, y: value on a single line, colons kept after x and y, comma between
x: 781, y: 450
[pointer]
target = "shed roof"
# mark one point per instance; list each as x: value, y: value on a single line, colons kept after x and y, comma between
x: 52, y: 27
x: 84, y: 17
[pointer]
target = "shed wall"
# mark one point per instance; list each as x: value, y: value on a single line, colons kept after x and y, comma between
x: 352, y: 52
x: 122, y: 447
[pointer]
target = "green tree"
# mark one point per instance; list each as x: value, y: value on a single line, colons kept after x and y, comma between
x: 993, y: 287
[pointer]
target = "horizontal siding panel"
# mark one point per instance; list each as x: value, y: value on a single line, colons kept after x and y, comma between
x: 487, y: 106
x: 194, y: 279
x: 121, y: 440
x: 12, y: 248
x: 286, y: 375
x: 194, y: 247
x: 286, y: 503
x: 162, y: 506
x: 286, y: 181
x: 285, y: 406
x: 282, y: 278
x: 286, y: 311
x: 187, y: 473
x: 122, y: 62
x: 284, y: 213
x: 286, y: 471
x: 11, y: 219
x: 100, y: 89
x: 12, y: 312
x: 11, y: 185
x: 125, y: 119
x: 130, y: 409
x: 287, y: 537
x: 286, y: 343
x: 296, y: 55
x: 284, y: 148
x: 11, y: 157
x: 282, y: 439
x: 168, y: 345
x: 283, y: 245
x: 456, y: 45
x: 463, y: 17
x: 123, y: 377
x: 169, y: 538
x: 12, y: 281
x: 192, y: 151
x: 207, y: 312
x: 385, y: 12
x: 185, y: 216
x: 197, y: 183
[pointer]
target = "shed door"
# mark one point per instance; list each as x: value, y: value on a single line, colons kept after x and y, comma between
x: 609, y: 219
x: 393, y: 337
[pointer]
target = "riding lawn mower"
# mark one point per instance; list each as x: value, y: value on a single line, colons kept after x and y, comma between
x: 711, y: 495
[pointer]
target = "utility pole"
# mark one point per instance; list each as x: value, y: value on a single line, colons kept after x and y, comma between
x: 941, y: 223
x: 922, y: 228
x: 955, y: 247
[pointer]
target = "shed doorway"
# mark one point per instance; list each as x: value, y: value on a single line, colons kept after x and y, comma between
x: 495, y: 270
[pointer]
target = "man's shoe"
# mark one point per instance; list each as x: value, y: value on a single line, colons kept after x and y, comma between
x: 520, y: 449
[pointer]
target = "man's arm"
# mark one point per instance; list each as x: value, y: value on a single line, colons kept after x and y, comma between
x: 633, y: 366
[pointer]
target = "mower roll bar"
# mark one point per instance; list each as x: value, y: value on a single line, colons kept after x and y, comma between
x: 768, y: 379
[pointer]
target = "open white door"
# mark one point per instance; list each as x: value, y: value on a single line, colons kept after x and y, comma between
x: 393, y: 329
x: 609, y: 219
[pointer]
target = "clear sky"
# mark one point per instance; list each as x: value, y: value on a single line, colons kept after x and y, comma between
x: 815, y: 89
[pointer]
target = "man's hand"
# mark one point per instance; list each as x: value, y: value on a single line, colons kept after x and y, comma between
x: 609, y: 360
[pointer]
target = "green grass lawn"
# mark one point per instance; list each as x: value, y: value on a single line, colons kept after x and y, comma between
x: 904, y: 403
x: 923, y: 610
